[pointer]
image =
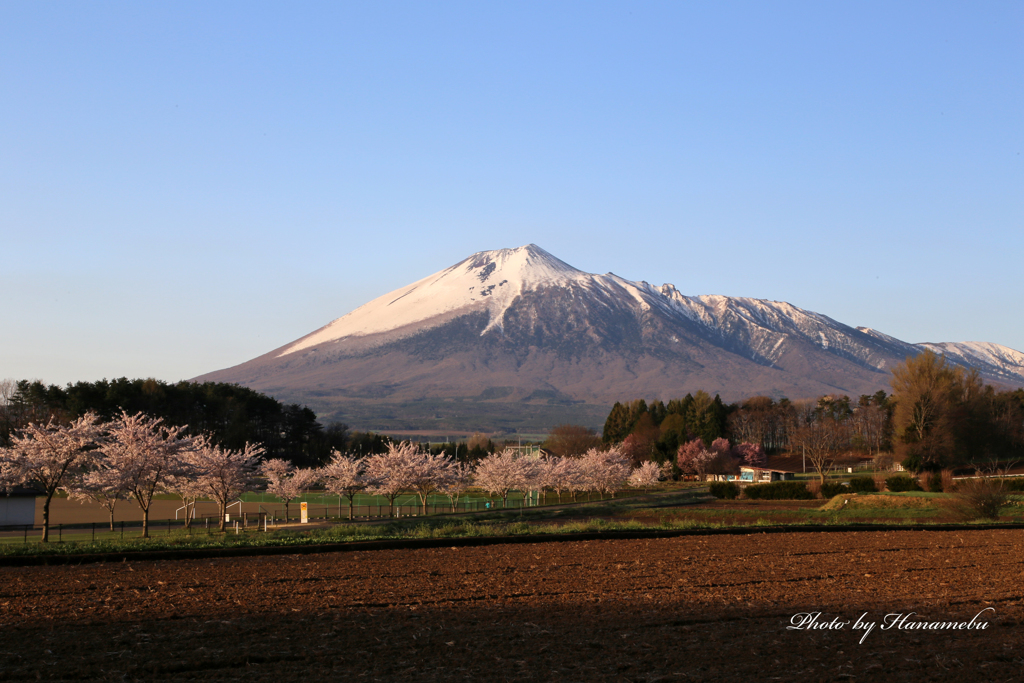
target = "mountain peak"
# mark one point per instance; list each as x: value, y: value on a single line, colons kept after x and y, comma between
x: 487, y: 281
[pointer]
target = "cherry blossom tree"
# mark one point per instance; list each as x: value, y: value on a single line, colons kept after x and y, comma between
x: 455, y: 482
x: 644, y: 476
x: 531, y: 475
x: 545, y: 474
x: 389, y: 473
x: 103, y: 486
x: 183, y: 479
x: 145, y: 452
x: 569, y: 476
x: 343, y: 476
x: 694, y: 458
x: 605, y: 471
x: 751, y: 454
x: 50, y: 457
x: 286, y: 481
x: 224, y: 474
x: 500, y: 473
x: 426, y: 472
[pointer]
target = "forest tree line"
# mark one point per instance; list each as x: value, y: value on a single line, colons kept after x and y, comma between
x: 231, y: 414
x: 938, y: 416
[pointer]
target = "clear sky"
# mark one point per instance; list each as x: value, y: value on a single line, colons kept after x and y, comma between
x: 187, y: 185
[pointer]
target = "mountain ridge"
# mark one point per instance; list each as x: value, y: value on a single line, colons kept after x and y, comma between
x: 520, y: 326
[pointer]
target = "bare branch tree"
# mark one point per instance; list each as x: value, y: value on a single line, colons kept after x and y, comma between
x: 823, y: 441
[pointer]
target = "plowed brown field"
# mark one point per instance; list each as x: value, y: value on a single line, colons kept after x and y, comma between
x: 691, y: 608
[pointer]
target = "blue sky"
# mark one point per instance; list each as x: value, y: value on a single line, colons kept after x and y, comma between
x: 185, y: 186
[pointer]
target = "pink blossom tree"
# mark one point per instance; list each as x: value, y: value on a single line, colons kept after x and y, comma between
x: 389, y: 474
x: 721, y: 446
x: 343, y: 476
x: 644, y: 476
x: 545, y: 475
x: 426, y: 472
x: 751, y: 454
x: 224, y: 474
x: 50, y: 457
x: 456, y: 481
x: 500, y: 473
x: 103, y: 486
x: 694, y: 458
x: 145, y: 453
x: 183, y: 479
x: 570, y: 476
x: 557, y: 475
x: 286, y: 481
x: 606, y: 471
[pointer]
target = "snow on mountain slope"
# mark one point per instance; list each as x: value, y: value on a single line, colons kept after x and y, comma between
x: 986, y: 356
x: 486, y: 281
x: 493, y: 281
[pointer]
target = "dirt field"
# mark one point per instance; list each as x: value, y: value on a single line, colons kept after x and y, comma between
x: 692, y: 608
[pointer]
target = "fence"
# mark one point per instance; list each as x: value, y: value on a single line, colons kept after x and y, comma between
x: 102, y: 531
x: 270, y: 515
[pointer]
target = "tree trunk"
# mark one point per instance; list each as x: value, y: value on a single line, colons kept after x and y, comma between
x: 145, y: 522
x: 351, y: 504
x: 46, y: 518
x: 111, y: 508
x: 223, y: 513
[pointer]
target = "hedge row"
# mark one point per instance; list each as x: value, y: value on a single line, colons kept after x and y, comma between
x: 863, y: 485
x: 779, y: 490
x: 901, y: 483
x: 724, y: 489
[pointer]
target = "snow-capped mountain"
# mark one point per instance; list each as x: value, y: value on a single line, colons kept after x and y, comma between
x: 518, y: 327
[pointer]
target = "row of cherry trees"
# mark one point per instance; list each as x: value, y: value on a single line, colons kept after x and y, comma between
x: 405, y: 467
x: 131, y: 457
x: 134, y: 457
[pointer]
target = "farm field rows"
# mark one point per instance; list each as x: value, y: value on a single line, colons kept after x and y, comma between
x: 689, y: 608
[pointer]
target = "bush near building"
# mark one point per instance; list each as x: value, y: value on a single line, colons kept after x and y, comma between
x: 779, y: 490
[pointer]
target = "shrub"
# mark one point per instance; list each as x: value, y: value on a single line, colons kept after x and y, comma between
x: 947, y: 480
x: 884, y: 461
x: 779, y: 490
x: 863, y: 485
x: 814, y: 486
x: 980, y: 498
x: 724, y: 489
x: 831, y: 489
x: 900, y: 483
x: 1016, y: 484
